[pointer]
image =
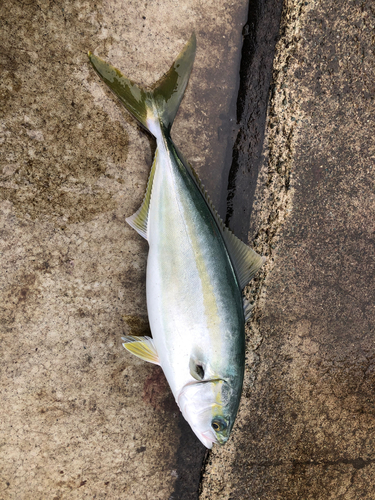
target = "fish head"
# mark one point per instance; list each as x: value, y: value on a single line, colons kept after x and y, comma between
x: 207, y: 407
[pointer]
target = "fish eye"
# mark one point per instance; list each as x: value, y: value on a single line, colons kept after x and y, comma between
x: 219, y: 425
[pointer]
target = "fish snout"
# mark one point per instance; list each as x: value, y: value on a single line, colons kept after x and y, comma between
x: 208, y: 437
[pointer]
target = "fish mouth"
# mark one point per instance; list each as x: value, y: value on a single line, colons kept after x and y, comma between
x: 208, y: 439
x: 199, y: 402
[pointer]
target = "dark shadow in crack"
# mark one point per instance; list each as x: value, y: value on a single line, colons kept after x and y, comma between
x: 260, y: 35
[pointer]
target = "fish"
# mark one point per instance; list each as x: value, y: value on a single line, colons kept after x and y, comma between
x: 196, y: 267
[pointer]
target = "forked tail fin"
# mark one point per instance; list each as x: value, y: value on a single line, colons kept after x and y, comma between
x: 162, y: 100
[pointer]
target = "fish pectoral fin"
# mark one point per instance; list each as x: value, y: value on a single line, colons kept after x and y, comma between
x: 142, y: 347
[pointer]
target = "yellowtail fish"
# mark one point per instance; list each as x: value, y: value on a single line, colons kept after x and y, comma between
x: 196, y: 267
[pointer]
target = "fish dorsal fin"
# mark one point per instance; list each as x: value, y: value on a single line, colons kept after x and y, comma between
x: 139, y: 219
x: 142, y: 347
x: 246, y: 262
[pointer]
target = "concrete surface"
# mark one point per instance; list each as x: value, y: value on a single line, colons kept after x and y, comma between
x: 306, y: 427
x: 79, y: 417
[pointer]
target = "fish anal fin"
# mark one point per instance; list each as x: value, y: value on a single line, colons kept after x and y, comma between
x: 139, y: 219
x: 142, y: 347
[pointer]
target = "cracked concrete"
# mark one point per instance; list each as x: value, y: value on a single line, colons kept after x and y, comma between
x: 306, y: 423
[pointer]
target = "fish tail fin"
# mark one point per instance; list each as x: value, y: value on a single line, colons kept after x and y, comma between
x: 157, y: 106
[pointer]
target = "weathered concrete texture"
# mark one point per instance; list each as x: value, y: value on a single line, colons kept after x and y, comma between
x: 306, y: 428
x: 79, y: 417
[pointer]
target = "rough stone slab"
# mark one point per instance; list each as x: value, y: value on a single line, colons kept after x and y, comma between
x: 306, y: 427
x: 79, y: 417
